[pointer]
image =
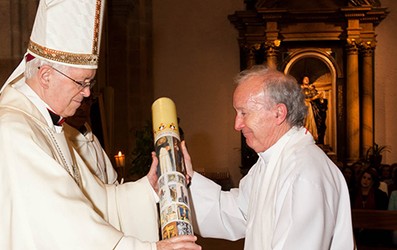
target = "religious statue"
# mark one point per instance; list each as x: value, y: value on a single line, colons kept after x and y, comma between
x: 317, y: 108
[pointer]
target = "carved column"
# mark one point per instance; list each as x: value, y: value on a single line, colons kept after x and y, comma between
x: 271, y: 48
x: 251, y: 49
x: 272, y: 43
x: 352, y: 102
x: 367, y: 111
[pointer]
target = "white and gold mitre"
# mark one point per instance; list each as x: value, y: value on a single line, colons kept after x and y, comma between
x: 68, y: 32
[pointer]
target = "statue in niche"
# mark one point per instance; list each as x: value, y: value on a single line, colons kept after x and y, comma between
x: 317, y: 110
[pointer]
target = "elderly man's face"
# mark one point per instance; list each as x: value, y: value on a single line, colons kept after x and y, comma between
x: 257, y: 123
x: 64, y: 96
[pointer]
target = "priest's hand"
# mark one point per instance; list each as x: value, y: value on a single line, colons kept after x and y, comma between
x: 188, y: 162
x: 152, y: 175
x: 186, y: 242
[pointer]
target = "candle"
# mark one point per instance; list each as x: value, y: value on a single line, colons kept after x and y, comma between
x: 175, y: 213
x: 120, y: 159
x: 164, y: 118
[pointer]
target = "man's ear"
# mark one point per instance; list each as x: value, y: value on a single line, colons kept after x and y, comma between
x: 281, y: 112
x: 44, y: 76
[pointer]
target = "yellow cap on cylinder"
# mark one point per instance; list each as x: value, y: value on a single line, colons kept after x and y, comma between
x: 164, y: 118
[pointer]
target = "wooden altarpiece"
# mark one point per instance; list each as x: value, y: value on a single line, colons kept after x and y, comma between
x: 333, y: 43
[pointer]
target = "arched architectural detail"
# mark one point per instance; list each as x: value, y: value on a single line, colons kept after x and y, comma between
x: 326, y: 83
x: 337, y: 35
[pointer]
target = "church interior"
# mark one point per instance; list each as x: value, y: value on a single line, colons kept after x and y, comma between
x: 190, y: 51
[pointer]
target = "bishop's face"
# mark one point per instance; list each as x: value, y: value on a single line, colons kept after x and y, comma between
x: 64, y: 95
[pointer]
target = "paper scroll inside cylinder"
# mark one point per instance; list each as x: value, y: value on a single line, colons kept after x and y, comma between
x: 175, y: 214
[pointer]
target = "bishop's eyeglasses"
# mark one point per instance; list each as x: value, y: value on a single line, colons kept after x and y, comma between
x: 82, y: 85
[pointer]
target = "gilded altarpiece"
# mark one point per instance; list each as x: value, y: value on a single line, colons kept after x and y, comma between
x: 328, y: 46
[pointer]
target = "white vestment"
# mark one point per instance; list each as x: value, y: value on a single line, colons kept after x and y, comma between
x: 91, y: 151
x: 294, y: 197
x: 46, y: 204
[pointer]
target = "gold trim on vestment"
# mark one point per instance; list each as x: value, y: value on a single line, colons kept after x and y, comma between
x: 61, y: 56
x: 97, y: 26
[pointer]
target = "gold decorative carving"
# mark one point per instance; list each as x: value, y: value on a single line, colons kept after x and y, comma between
x: 271, y: 47
x: 367, y: 48
x: 352, y: 46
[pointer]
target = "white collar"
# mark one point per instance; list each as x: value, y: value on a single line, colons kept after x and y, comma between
x: 36, y: 100
x: 265, y: 155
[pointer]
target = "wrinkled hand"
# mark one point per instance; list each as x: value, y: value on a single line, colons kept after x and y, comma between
x: 186, y: 242
x: 188, y: 160
x: 152, y: 175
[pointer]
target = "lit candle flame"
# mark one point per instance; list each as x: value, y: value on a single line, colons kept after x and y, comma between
x: 120, y: 159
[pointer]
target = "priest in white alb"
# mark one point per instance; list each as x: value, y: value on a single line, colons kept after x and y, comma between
x: 294, y: 197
